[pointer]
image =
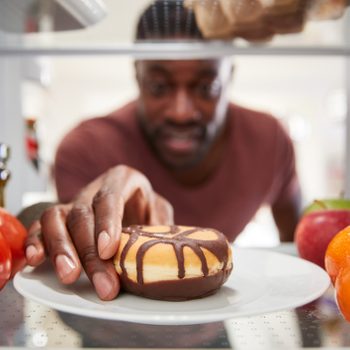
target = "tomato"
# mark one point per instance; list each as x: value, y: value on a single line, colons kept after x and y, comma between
x: 5, y: 261
x: 12, y: 238
x: 14, y: 233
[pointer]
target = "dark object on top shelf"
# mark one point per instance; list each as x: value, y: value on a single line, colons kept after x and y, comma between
x: 28, y: 16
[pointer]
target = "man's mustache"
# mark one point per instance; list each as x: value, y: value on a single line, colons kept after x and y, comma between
x: 188, y: 129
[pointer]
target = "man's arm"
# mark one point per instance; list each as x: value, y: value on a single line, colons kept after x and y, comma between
x: 76, y: 162
x: 287, y: 202
x: 286, y: 215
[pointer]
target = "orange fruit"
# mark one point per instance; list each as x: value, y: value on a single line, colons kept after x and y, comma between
x: 337, y: 263
x: 337, y: 254
x: 342, y: 287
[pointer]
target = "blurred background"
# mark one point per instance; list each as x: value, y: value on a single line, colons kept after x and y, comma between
x: 60, y: 64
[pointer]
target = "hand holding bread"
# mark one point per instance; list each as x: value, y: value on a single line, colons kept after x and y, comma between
x: 152, y: 258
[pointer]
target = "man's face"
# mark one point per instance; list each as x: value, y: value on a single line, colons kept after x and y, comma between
x: 182, y: 107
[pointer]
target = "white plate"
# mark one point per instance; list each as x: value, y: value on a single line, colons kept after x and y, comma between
x: 262, y: 281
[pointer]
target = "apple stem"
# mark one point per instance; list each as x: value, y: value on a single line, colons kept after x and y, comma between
x: 321, y: 204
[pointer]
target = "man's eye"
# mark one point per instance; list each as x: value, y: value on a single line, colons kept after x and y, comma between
x: 209, y: 90
x: 158, y: 89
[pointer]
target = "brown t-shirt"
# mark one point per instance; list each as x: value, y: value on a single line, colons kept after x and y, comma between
x: 258, y: 167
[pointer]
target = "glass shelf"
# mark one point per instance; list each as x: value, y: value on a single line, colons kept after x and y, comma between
x: 173, y: 50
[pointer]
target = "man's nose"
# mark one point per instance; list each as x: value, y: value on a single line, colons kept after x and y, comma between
x: 182, y: 108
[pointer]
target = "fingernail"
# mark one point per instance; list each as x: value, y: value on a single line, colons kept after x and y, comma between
x: 103, y: 241
x: 103, y: 284
x: 64, y: 266
x: 31, y: 252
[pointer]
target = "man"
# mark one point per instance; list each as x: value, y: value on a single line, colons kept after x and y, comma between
x: 179, y: 152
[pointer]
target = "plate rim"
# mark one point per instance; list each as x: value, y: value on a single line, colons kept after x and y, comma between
x: 178, y: 319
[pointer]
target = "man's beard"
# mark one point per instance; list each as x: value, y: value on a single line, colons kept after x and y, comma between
x: 186, y: 134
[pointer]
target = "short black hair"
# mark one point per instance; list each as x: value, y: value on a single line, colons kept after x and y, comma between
x: 167, y: 19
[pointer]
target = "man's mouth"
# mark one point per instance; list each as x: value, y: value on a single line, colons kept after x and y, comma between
x: 181, y: 142
x: 180, y: 145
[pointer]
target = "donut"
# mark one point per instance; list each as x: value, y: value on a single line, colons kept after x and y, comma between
x: 172, y: 262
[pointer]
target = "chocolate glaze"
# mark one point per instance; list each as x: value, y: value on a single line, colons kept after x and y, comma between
x: 183, y: 288
x: 177, y: 290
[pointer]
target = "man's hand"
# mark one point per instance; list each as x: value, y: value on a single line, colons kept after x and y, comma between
x: 86, y: 232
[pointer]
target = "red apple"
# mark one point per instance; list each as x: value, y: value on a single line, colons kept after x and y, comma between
x: 319, y: 224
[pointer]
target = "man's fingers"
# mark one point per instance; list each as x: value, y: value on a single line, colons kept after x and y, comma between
x: 137, y: 209
x: 108, y: 210
x: 34, y: 247
x: 125, y: 194
x: 102, y: 274
x: 162, y: 212
x: 59, y: 246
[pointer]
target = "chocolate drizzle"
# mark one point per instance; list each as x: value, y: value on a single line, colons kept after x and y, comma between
x: 178, y: 240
